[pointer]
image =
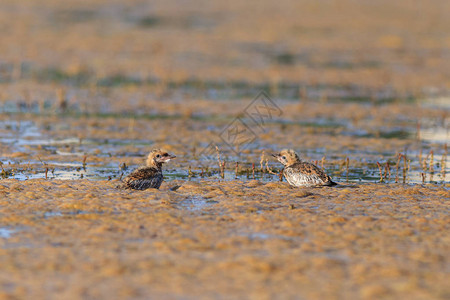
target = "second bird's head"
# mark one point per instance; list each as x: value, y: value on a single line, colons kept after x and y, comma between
x: 287, y: 157
x: 158, y: 156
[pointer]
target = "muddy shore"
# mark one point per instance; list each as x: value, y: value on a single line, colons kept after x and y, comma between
x: 85, y: 239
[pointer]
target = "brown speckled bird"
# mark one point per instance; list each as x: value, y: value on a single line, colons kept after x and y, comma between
x: 299, y: 173
x: 149, y: 176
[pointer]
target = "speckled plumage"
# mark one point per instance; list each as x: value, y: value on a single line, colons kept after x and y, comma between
x: 299, y: 173
x: 149, y: 176
x: 306, y: 174
x: 144, y: 178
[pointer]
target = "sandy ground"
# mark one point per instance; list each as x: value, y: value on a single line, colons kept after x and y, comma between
x: 253, y: 240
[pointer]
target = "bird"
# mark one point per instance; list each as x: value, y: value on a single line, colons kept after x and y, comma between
x: 149, y: 176
x: 299, y: 173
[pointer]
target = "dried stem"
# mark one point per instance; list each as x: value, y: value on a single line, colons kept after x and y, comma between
x: 381, y: 171
x: 347, y: 164
x: 399, y: 157
x: 261, y: 162
x: 444, y: 163
x: 431, y: 161
x: 424, y: 164
x: 45, y: 165
x: 409, y: 166
x: 218, y: 156
x: 268, y: 169
x: 253, y: 170
x: 404, y: 167
x: 221, y: 164
x: 84, y: 162
x: 223, y: 170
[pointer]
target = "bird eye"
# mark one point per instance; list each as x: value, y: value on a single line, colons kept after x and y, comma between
x: 158, y: 156
x: 284, y: 157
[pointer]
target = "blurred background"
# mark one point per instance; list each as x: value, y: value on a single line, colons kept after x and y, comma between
x: 400, y: 48
x: 375, y: 73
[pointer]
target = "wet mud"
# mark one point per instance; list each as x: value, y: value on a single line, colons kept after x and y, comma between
x: 84, y: 238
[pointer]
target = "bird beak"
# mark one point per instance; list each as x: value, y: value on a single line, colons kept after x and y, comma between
x: 275, y: 155
x: 168, y: 157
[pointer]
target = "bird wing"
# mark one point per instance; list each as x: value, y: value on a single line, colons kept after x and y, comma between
x: 305, y: 173
x: 296, y: 178
x: 143, y: 178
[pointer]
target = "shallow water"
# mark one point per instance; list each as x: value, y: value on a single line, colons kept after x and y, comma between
x: 5, y: 233
x: 62, y: 153
x: 196, y: 203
